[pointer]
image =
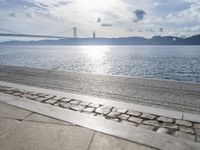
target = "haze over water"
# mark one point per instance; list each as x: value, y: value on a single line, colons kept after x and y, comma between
x: 180, y: 63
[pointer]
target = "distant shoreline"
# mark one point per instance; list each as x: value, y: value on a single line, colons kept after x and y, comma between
x: 156, y: 40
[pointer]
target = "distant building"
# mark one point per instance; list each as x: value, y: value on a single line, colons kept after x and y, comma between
x: 94, y: 35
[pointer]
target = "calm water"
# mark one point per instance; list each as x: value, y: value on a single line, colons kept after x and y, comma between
x: 180, y: 63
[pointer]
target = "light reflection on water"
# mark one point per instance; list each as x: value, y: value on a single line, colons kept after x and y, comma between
x: 180, y: 63
x: 97, y: 56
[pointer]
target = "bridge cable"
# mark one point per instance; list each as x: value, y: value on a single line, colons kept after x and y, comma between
x: 2, y: 29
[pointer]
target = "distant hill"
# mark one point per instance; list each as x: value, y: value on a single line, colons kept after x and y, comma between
x: 156, y: 40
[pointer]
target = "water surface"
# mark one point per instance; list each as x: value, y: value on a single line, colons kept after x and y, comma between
x: 181, y: 63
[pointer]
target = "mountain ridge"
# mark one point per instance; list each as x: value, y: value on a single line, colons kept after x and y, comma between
x: 155, y: 40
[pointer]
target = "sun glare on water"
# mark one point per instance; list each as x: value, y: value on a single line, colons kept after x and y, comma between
x: 95, y: 52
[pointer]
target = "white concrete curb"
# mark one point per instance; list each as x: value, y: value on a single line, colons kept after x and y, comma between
x: 136, y: 107
x: 145, y: 137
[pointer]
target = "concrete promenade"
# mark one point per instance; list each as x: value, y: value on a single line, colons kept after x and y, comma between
x: 25, y: 130
x: 171, y: 95
x: 89, y: 122
x: 43, y: 109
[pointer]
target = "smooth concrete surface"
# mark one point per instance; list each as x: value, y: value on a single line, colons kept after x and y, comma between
x: 157, y: 93
x: 8, y: 111
x: 17, y: 135
x: 191, y: 117
x: 106, y: 142
x: 134, y: 134
x: 44, y: 119
x: 46, y: 133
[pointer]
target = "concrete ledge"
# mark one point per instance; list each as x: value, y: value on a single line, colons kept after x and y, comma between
x: 136, y: 107
x: 149, y: 138
x: 191, y: 117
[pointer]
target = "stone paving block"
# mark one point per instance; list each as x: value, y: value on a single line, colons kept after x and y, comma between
x: 185, y: 135
x: 77, y: 108
x: 197, y: 131
x: 163, y: 130
x: 113, y: 114
x: 148, y: 127
x: 17, y: 93
x: 165, y: 119
x: 57, y: 98
x: 106, y: 142
x: 49, y: 96
x: 65, y: 99
x: 74, y: 102
x: 31, y: 93
x: 42, y: 94
x: 169, y: 125
x: 9, y: 91
x: 26, y: 135
x: 104, y: 109
x: 40, y: 99
x: 186, y: 129
x: 60, y: 104
x: 135, y: 119
x: 134, y: 113
x: 84, y: 103
x: 120, y: 110
x: 33, y: 97
x: 66, y: 105
x: 197, y: 125
x: 151, y: 122
x: 50, y: 101
x: 148, y: 116
x: 88, y: 109
x: 94, y: 105
x: 184, y: 123
x: 8, y: 111
x: 123, y: 116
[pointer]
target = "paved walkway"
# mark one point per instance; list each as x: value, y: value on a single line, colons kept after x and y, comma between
x: 26, y: 129
x: 164, y: 94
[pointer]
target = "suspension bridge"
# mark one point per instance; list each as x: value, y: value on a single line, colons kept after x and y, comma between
x: 74, y: 31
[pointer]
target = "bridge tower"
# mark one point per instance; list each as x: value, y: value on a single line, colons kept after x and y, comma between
x: 94, y: 35
x: 75, y: 33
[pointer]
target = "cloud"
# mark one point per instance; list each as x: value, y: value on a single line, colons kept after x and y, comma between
x: 98, y: 20
x: 62, y: 3
x: 18, y: 4
x: 154, y: 17
x: 139, y: 13
x: 43, y: 5
x: 149, y: 29
x: 106, y: 25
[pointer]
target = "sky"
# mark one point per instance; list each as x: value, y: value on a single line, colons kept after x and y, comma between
x: 108, y: 18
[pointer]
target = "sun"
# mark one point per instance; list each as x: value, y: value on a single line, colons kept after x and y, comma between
x: 95, y: 4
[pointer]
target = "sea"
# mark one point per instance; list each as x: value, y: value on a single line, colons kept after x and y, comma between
x: 179, y: 63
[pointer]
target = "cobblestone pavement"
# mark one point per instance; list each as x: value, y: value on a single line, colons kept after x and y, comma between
x: 163, y: 125
x: 179, y: 96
